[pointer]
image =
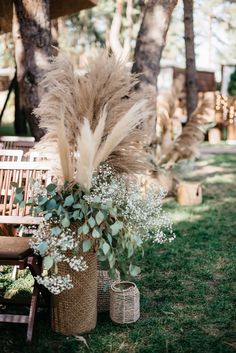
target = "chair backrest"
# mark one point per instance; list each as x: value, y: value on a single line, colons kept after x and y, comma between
x: 17, y: 142
x: 21, y: 173
x: 35, y: 156
x: 11, y: 155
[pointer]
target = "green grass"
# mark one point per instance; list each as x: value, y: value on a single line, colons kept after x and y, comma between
x: 7, y: 130
x: 187, y: 287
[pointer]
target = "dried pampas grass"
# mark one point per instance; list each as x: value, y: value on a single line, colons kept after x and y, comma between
x: 166, y: 106
x: 91, y: 118
x: 186, y: 145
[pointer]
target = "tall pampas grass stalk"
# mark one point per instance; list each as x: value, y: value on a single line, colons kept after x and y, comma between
x: 102, y: 119
x: 135, y: 115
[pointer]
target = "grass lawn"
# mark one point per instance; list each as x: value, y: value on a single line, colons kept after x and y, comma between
x: 188, y: 288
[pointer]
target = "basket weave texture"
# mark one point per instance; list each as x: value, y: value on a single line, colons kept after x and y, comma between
x: 124, y: 302
x: 74, y: 311
x: 104, y: 285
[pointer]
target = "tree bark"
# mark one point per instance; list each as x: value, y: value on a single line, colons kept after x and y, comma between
x: 147, y: 56
x: 191, y: 74
x: 32, y: 38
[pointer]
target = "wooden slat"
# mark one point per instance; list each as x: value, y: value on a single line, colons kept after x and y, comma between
x: 11, y: 155
x: 20, y: 220
x: 25, y: 165
x: 21, y: 173
x: 17, y: 138
x: 20, y: 319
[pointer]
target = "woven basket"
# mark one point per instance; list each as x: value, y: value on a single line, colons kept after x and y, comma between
x: 124, y: 302
x: 74, y: 311
x: 189, y: 194
x: 104, y: 285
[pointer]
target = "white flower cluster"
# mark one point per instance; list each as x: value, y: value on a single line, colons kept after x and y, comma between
x: 55, y: 247
x: 56, y: 244
x: 77, y: 264
x: 142, y: 214
x: 55, y: 284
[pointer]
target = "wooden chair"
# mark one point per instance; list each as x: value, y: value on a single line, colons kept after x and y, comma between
x: 16, y: 250
x: 11, y: 155
x: 17, y: 142
x: 35, y: 156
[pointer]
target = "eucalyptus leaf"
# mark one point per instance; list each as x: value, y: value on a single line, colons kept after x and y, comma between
x: 76, y: 215
x: 116, y: 227
x: 69, y: 200
x: 130, y: 250
x: 51, y: 204
x: 85, y: 228
x: 47, y: 216
x: 86, y: 245
x: 14, y: 184
x: 42, y: 247
x: 42, y: 200
x: 47, y: 262
x: 18, y: 198
x: 65, y: 222
x: 109, y: 237
x: 96, y: 233
x: 99, y: 217
x: 77, y: 205
x: 80, y: 230
x: 112, y: 260
x: 97, y: 199
x: 134, y: 270
x: 22, y: 204
x: 91, y: 222
x: 51, y: 187
x: 101, y: 257
x: 56, y: 230
x: 105, y: 248
x: 19, y: 190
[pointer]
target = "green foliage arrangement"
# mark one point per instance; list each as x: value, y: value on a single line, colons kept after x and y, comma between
x: 113, y: 218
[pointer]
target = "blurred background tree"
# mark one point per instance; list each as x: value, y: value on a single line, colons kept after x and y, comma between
x: 232, y: 84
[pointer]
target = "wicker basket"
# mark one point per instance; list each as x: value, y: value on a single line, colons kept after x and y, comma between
x: 74, y: 311
x: 189, y: 194
x: 124, y: 302
x: 104, y: 285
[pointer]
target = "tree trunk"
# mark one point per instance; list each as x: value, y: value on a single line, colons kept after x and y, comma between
x: 191, y: 74
x: 147, y: 56
x: 20, y: 121
x: 121, y: 52
x: 32, y: 37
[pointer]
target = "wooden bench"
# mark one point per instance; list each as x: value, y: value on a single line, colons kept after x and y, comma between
x: 16, y: 250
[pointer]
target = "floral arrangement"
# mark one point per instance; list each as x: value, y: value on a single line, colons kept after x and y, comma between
x: 113, y: 218
x: 93, y: 141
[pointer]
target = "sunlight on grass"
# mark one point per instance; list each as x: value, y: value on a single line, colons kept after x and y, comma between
x: 223, y: 179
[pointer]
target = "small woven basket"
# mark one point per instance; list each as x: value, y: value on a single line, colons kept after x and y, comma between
x: 104, y: 285
x: 74, y: 311
x: 189, y: 194
x: 124, y: 302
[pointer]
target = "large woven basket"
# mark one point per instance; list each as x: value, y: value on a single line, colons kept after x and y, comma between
x: 104, y: 285
x: 124, y: 302
x: 74, y: 311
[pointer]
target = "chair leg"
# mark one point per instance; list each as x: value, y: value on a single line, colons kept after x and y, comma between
x: 32, y: 313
